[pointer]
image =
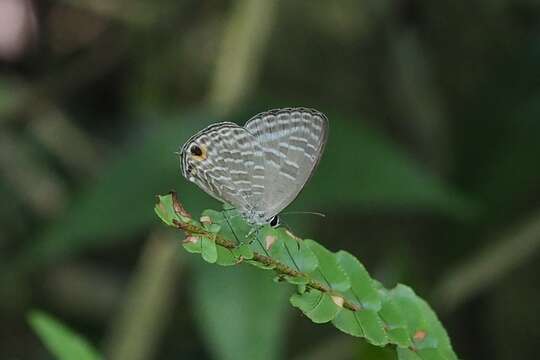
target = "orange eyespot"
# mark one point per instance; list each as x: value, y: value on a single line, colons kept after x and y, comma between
x: 198, y: 152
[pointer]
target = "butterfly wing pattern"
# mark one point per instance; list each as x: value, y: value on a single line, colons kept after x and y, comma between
x: 227, y: 163
x: 293, y: 141
x: 260, y: 168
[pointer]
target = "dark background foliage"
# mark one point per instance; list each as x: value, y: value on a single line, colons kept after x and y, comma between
x: 431, y: 175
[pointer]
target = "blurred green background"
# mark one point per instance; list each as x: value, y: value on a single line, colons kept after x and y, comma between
x: 431, y: 175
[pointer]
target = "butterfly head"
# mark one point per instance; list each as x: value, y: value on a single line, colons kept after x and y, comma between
x: 275, y: 222
x: 192, y: 153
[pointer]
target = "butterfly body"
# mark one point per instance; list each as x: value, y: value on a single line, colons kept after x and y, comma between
x: 259, y: 168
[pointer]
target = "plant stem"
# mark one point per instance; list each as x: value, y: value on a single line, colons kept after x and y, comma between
x: 280, y: 268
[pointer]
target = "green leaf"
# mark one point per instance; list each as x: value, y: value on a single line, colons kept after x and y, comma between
x: 397, y: 316
x: 240, y: 312
x: 213, y: 228
x: 362, y: 286
x: 406, y: 354
x: 194, y: 246
x: 329, y: 272
x: 225, y: 257
x: 231, y: 257
x: 232, y: 225
x: 428, y: 334
x: 209, y: 250
x: 348, y: 322
x: 363, y: 323
x: 291, y: 251
x: 165, y: 210
x: 317, y: 306
x: 257, y: 243
x: 260, y: 265
x: 373, y: 327
x: 243, y: 251
x: 397, y: 329
x: 59, y: 340
x: 296, y: 280
x: 162, y: 209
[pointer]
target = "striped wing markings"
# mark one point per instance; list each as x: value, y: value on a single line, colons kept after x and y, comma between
x: 293, y: 141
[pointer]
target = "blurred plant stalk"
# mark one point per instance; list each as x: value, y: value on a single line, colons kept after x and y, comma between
x: 489, y: 265
x: 71, y: 145
x: 148, y: 300
x: 135, y: 331
x: 410, y: 82
x: 37, y: 185
x: 72, y: 288
x: 238, y: 62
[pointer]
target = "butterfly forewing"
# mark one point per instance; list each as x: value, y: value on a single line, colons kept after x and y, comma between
x: 292, y: 141
x: 226, y: 161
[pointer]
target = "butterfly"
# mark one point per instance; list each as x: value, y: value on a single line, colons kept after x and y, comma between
x: 260, y: 168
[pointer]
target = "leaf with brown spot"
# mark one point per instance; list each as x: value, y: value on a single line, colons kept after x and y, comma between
x: 269, y: 241
x: 177, y: 206
x: 338, y: 300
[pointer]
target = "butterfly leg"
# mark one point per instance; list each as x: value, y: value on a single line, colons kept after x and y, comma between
x: 254, y: 230
x: 257, y: 232
x: 230, y: 226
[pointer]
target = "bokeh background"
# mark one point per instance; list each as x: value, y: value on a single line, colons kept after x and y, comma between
x: 431, y: 175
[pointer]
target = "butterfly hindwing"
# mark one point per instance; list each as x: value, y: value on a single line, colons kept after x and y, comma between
x: 293, y: 141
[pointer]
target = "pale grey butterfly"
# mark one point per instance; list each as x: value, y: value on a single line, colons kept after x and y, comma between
x: 260, y: 168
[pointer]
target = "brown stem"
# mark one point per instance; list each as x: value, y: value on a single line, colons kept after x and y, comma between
x: 280, y: 268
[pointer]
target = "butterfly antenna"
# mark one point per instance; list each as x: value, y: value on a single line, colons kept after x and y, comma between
x: 286, y: 247
x: 304, y: 212
x: 257, y: 233
x: 285, y: 225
